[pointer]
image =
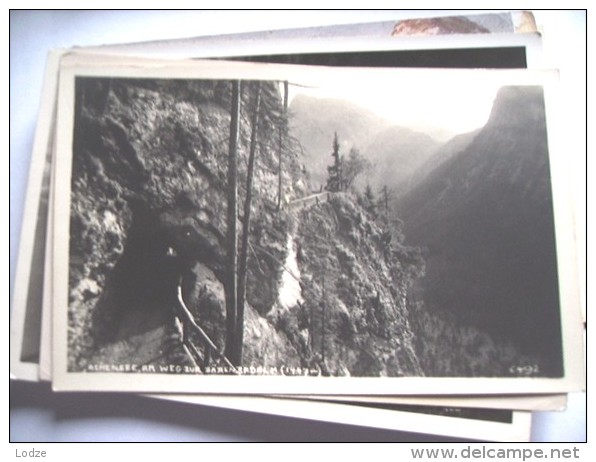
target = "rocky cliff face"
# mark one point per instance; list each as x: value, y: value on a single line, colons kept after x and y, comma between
x: 148, y: 201
x: 148, y: 213
x: 355, y: 285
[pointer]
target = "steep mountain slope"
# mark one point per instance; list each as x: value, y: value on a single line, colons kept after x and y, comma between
x: 313, y: 122
x: 395, y: 154
x: 442, y: 154
x: 353, y: 319
x: 485, y: 218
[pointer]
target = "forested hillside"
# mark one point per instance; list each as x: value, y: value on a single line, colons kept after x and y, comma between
x: 484, y: 218
x: 354, y: 281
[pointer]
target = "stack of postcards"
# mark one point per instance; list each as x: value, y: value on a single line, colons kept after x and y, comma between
x: 363, y: 224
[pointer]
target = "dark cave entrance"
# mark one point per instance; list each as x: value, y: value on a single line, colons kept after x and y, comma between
x: 141, y: 289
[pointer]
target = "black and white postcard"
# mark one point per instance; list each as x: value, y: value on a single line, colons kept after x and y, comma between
x: 241, y: 228
x: 316, y: 46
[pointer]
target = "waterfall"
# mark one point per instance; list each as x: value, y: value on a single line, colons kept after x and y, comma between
x: 290, y: 292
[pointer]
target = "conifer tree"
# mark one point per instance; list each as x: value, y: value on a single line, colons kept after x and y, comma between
x: 385, y: 204
x: 351, y: 167
x: 369, y: 201
x: 334, y: 179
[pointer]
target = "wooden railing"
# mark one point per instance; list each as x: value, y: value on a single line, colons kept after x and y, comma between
x: 308, y: 201
x: 190, y: 326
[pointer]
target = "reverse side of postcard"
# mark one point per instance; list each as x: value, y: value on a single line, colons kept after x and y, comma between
x: 239, y: 228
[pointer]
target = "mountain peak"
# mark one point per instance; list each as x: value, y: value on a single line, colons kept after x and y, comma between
x: 517, y: 105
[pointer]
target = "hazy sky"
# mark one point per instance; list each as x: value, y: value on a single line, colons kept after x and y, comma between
x: 456, y: 103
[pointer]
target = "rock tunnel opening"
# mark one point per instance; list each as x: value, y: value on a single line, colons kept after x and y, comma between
x: 141, y: 289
